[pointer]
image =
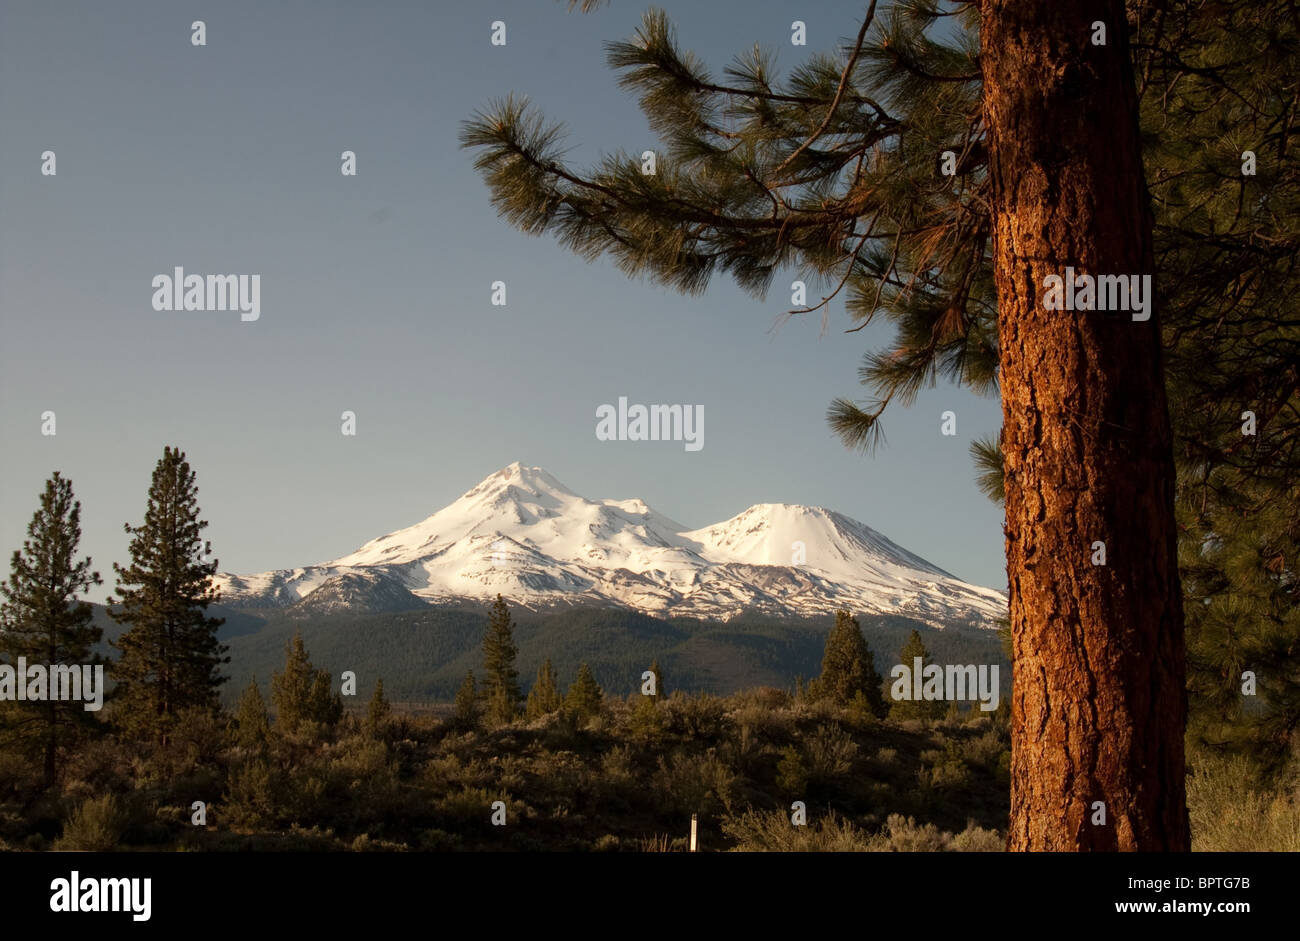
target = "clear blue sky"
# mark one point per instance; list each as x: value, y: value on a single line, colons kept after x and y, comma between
x: 375, y: 288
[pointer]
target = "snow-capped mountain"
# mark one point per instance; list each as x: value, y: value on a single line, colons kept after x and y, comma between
x: 523, y: 534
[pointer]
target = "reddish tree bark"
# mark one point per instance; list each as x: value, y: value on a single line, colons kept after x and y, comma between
x: 1099, y: 703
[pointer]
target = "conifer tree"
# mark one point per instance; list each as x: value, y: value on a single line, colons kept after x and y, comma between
x: 584, y: 697
x: 661, y: 692
x: 544, y: 698
x: 466, y: 707
x: 913, y: 708
x: 1227, y: 237
x: 378, y: 710
x: 791, y: 773
x: 252, y: 725
x: 291, y: 688
x: 302, y: 694
x: 326, y: 702
x: 171, y: 658
x: 43, y: 620
x: 848, y: 667
x: 501, y: 678
x: 936, y: 181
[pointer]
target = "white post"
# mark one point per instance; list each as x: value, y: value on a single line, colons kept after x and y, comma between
x: 694, y: 842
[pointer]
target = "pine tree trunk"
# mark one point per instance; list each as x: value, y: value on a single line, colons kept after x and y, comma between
x: 50, y: 771
x: 1099, y: 703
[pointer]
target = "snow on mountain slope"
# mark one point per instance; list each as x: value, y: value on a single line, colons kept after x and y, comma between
x: 522, y: 533
x: 768, y: 534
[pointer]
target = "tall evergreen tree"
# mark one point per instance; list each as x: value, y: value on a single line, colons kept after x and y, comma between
x: 499, y: 651
x: 848, y: 667
x: 661, y: 692
x: 291, y: 688
x: 1228, y: 239
x: 544, y: 698
x: 939, y: 181
x: 913, y: 708
x: 378, y: 710
x: 1099, y: 700
x: 252, y: 725
x: 466, y: 706
x: 301, y: 693
x: 1217, y: 87
x: 43, y: 621
x: 326, y: 702
x: 171, y: 658
x: 584, y: 697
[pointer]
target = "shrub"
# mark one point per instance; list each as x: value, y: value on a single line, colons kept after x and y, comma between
x: 95, y: 826
x: 697, y: 717
x: 449, y: 772
x: 1231, y: 812
x: 744, y: 752
x: 772, y: 832
x: 250, y: 796
x: 646, y: 724
x: 791, y: 775
x: 765, y: 698
x: 439, y: 841
x: 904, y: 835
x: 617, y: 769
x: 830, y: 752
x: 946, y: 771
x: 662, y: 843
x: 695, y: 784
x: 984, y: 750
x: 365, y: 843
x: 756, y: 720
x: 976, y: 839
x: 467, y: 808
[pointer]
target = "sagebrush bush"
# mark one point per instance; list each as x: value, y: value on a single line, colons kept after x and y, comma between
x: 1231, y: 813
x: 756, y: 720
x: 745, y: 753
x: 904, y: 835
x: 467, y: 808
x: 96, y: 825
x: 661, y: 843
x: 618, y: 769
x: 773, y: 832
x: 830, y: 752
x: 365, y: 843
x: 975, y: 839
x: 697, y: 717
x: 983, y: 750
x: 250, y: 800
x: 944, y: 770
x: 688, y: 784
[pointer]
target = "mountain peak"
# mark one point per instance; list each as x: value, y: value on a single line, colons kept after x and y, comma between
x: 522, y: 533
x: 524, y: 476
x: 793, y: 509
